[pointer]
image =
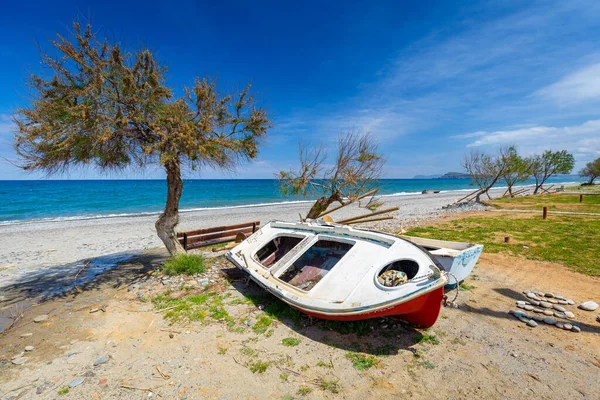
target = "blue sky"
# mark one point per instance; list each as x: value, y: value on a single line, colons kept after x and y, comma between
x: 431, y: 80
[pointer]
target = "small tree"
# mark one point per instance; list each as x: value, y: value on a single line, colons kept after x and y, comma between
x: 548, y: 164
x: 357, y: 168
x: 591, y: 171
x: 105, y: 107
x: 485, y: 169
x: 516, y: 169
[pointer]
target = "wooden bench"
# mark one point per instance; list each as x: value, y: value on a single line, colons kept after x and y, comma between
x: 220, y: 234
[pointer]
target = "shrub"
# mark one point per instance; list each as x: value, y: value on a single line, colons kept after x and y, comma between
x: 188, y: 264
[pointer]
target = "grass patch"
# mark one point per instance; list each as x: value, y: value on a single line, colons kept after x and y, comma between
x: 360, y: 361
x: 274, y: 307
x: 429, y: 365
x: 572, y: 240
x: 259, y: 367
x: 63, y: 390
x: 290, y: 342
x: 330, y: 386
x: 284, y: 376
x: 325, y: 364
x: 464, y: 287
x: 262, y: 324
x: 359, y: 328
x: 188, y: 264
x: 247, y: 351
x: 304, y: 391
x: 427, y: 338
x: 555, y: 201
x: 192, y: 308
x: 287, y: 397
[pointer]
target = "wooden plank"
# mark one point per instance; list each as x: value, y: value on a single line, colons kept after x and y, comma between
x: 211, y: 242
x: 219, y: 235
x: 362, y: 196
x: 344, y: 221
x: 360, y: 221
x: 218, y: 229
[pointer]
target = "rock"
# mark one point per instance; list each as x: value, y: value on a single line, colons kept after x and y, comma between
x: 27, y: 334
x: 538, y: 310
x: 560, y: 325
x: 76, y: 382
x: 569, y: 314
x: 575, y: 329
x: 28, y: 348
x: 568, y: 327
x: 521, y: 305
x: 531, y: 295
x: 101, y: 360
x: 570, y: 302
x: 598, y: 318
x: 563, y: 302
x: 557, y: 297
x: 93, y: 310
x: 20, y: 360
x: 551, y: 295
x: 548, y: 313
x: 550, y: 321
x: 521, y: 302
x: 532, y: 323
x: 560, y: 315
x: 536, y: 318
x: 541, y: 294
x: 588, y: 306
x: 559, y: 308
x: 545, y: 304
x: 552, y: 301
x: 535, y: 303
x: 528, y: 307
x: 40, y: 318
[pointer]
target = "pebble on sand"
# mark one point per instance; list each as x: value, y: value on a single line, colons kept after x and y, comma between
x: 27, y: 334
x: 559, y: 308
x: 575, y: 329
x: 528, y: 307
x: 545, y: 304
x: 19, y: 361
x: 531, y: 323
x: 560, y: 325
x: 569, y: 314
x: 101, y: 360
x: 588, y: 306
x: 550, y: 321
x: 551, y: 295
x: 548, y: 313
x: 76, y: 382
x: 531, y: 295
x: 28, y: 348
x: 570, y: 302
x: 40, y: 318
x: 568, y: 327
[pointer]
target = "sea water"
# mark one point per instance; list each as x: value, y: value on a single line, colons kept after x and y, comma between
x: 84, y: 199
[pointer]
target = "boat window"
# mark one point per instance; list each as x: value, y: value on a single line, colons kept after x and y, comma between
x: 274, y: 251
x: 398, y: 272
x: 315, y: 263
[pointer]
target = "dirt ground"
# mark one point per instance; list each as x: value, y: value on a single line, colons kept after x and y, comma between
x: 483, y: 352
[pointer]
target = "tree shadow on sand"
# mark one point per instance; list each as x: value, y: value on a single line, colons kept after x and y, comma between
x: 377, y: 336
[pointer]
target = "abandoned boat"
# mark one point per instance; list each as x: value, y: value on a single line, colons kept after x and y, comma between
x: 456, y: 258
x: 336, y: 272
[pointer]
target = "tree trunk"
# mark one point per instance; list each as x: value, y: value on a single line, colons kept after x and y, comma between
x: 320, y: 206
x: 168, y: 220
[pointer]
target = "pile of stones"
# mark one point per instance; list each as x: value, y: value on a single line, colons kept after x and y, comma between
x: 549, y: 306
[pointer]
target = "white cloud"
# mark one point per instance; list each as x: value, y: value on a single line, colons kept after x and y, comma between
x: 580, y: 86
x: 583, y: 139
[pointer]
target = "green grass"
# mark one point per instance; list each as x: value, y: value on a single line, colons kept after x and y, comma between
x: 325, y: 364
x: 63, y: 390
x: 290, y: 342
x: 359, y: 328
x: 274, y: 307
x: 429, y: 365
x: 427, y: 338
x: 361, y: 362
x: 188, y: 264
x: 557, y: 202
x: 192, y: 308
x: 262, y: 324
x: 304, y: 391
x: 464, y: 287
x: 330, y: 386
x: 247, y: 351
x: 568, y: 239
x: 259, y: 367
x: 284, y: 376
x: 287, y: 397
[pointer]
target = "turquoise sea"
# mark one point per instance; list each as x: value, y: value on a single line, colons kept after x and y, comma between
x: 79, y: 199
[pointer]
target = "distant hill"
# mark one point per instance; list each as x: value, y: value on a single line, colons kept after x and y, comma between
x: 448, y: 175
x: 455, y: 175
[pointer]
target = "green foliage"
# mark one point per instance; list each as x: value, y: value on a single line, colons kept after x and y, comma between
x: 516, y: 168
x: 465, y: 287
x: 304, y: 391
x: 192, y: 308
x: 555, y: 201
x: 290, y: 342
x: 247, y: 351
x: 262, y: 324
x: 63, y: 390
x: 287, y: 397
x: 427, y: 338
x: 330, y: 386
x: 548, y: 164
x: 274, y: 307
x: 284, y: 376
x: 184, y: 263
x: 591, y: 170
x: 429, y: 365
x: 557, y: 239
x: 259, y: 366
x: 360, y: 361
x: 324, y: 364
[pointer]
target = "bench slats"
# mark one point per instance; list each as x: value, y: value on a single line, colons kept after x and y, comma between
x: 219, y: 229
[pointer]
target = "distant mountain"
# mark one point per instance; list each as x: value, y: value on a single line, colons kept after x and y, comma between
x: 448, y: 175
x: 427, y: 176
x: 455, y: 175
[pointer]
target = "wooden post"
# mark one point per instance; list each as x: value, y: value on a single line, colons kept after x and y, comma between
x: 506, y: 239
x: 185, y: 241
x: 545, y: 213
x: 580, y: 198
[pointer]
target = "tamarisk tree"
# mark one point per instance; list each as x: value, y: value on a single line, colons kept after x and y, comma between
x: 591, y: 171
x: 548, y: 164
x: 516, y: 169
x: 357, y: 168
x: 100, y: 105
x: 485, y: 169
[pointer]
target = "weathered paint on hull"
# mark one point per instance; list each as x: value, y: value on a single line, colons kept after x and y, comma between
x: 422, y: 311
